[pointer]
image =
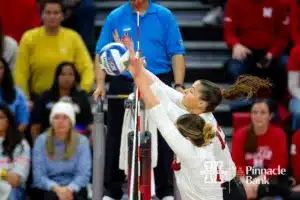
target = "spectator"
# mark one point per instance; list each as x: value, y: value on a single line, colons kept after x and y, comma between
x: 43, y: 48
x: 160, y: 49
x: 13, y: 97
x: 80, y: 16
x: 259, y: 146
x: 15, y: 155
x: 65, y: 85
x: 293, y: 68
x: 295, y: 20
x: 61, y: 158
x: 8, y: 48
x: 295, y: 152
x: 18, y: 16
x: 295, y: 166
x: 257, y: 41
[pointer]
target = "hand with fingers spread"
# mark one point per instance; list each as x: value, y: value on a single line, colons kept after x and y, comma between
x: 240, y: 52
x: 136, y: 64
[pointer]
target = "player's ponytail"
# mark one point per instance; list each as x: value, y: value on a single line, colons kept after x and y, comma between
x: 208, y: 133
x: 194, y: 128
x: 246, y: 86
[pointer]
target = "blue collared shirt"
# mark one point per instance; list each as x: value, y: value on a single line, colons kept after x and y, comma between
x: 160, y: 37
x: 74, y: 173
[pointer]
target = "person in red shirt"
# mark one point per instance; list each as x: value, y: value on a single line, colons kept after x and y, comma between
x: 295, y: 20
x: 18, y: 16
x: 295, y: 153
x: 260, y: 152
x: 257, y: 32
x: 293, y: 68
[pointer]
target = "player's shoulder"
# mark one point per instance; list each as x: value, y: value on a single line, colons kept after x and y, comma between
x: 70, y: 33
x: 31, y: 34
x: 277, y: 130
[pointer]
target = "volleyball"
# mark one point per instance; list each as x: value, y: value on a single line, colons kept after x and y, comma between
x: 114, y: 58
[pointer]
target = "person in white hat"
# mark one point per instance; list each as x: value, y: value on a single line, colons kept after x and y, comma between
x: 61, y: 158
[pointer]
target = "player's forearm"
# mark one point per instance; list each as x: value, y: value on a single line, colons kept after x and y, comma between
x: 178, y: 69
x: 100, y: 74
x: 143, y: 82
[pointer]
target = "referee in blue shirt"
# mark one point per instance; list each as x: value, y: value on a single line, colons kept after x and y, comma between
x: 162, y: 45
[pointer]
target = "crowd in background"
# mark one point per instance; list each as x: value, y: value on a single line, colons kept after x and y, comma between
x: 47, y: 74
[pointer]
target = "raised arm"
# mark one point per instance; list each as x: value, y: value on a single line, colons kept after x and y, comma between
x: 170, y: 107
x: 182, y: 147
x: 172, y: 94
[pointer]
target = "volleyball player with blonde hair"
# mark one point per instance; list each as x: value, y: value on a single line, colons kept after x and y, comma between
x: 202, y: 99
x: 190, y: 138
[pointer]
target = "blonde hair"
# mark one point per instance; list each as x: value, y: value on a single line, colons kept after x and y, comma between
x: 70, y: 145
x: 193, y: 126
x: 208, y: 133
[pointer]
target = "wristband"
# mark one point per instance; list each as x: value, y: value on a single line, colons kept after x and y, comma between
x: 3, y: 174
x: 179, y: 85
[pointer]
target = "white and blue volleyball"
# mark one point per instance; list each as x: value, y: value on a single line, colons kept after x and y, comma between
x: 114, y: 58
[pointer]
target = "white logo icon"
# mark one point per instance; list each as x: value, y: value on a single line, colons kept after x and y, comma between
x: 267, y: 12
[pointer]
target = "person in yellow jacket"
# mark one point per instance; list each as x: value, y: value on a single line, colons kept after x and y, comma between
x: 43, y: 48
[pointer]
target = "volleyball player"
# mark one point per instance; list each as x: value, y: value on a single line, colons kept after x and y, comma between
x: 202, y: 99
x: 190, y: 138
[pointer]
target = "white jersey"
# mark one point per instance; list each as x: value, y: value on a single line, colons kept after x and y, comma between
x: 196, y: 178
x: 171, y: 100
